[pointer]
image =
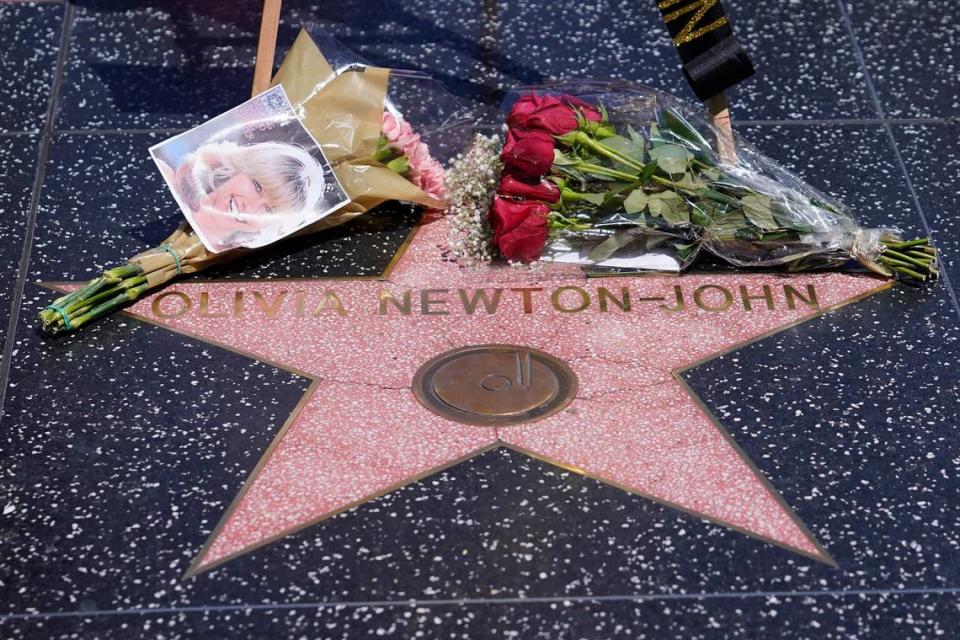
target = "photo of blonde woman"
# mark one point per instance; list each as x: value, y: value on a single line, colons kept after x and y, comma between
x: 250, y: 181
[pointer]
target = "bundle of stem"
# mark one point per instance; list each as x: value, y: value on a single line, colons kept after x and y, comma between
x: 915, y: 259
x: 118, y: 286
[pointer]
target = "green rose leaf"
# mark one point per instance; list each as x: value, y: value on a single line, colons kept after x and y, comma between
x: 759, y: 211
x: 655, y: 139
x: 691, y: 181
x: 699, y: 216
x: 625, y: 146
x: 636, y: 201
x: 712, y: 174
x: 672, y: 158
x: 610, y: 246
x: 593, y: 198
x: 562, y: 159
x: 669, y: 206
x: 684, y: 250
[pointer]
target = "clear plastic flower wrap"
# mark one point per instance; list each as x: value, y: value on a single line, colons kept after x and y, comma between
x: 616, y: 174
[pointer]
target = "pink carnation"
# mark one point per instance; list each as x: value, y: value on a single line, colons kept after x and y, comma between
x: 425, y: 171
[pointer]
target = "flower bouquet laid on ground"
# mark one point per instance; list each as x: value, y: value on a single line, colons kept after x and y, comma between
x: 622, y: 176
x: 333, y: 139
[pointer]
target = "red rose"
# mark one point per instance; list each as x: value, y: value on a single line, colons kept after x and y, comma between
x: 544, y: 190
x: 549, y: 113
x: 519, y: 228
x: 529, y: 152
x: 522, y: 109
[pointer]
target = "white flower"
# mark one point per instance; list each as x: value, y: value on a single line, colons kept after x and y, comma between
x: 472, y: 180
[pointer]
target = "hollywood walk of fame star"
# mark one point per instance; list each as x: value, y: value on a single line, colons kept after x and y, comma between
x: 359, y: 431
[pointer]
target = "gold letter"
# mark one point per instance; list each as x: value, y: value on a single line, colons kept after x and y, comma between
x: 727, y: 297
x: 681, y: 305
x: 623, y: 303
x: 328, y: 302
x: 184, y: 298
x: 300, y: 303
x: 470, y: 304
x: 527, y: 300
x: 426, y: 301
x: 584, y: 299
x: 238, y: 304
x: 204, y: 311
x: 385, y: 297
x: 688, y: 33
x: 272, y: 309
x: 767, y: 295
x: 810, y: 300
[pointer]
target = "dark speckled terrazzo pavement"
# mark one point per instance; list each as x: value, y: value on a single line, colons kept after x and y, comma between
x: 121, y: 447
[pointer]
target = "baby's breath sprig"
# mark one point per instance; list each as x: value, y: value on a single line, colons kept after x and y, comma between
x: 472, y: 181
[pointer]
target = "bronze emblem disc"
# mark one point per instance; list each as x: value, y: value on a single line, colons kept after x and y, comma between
x: 495, y: 385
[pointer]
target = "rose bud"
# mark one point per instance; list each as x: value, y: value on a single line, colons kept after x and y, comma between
x: 522, y: 109
x: 519, y: 228
x: 528, y: 152
x: 544, y: 190
x: 551, y: 114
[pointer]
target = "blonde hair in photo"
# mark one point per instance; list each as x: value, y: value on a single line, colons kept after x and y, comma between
x: 291, y: 178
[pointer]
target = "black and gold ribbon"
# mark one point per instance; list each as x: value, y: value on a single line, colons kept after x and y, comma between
x: 713, y: 60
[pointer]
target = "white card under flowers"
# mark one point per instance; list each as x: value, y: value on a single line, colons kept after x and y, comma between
x: 625, y: 258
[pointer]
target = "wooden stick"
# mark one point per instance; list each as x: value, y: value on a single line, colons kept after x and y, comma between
x: 266, y: 46
x: 720, y: 117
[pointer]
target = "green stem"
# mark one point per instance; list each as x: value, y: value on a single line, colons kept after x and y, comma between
x: 893, y: 262
x: 86, y: 302
x: 119, y: 300
x: 48, y: 316
x: 399, y: 165
x: 905, y: 270
x: 613, y: 173
x: 383, y: 154
x: 922, y: 256
x: 604, y: 150
x: 106, y: 294
x: 122, y: 272
x: 892, y: 253
x: 598, y: 129
x: 900, y: 244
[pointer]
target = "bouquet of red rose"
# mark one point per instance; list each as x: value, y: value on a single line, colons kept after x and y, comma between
x: 619, y: 175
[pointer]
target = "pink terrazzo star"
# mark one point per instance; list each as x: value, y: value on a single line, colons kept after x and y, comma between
x: 360, y: 432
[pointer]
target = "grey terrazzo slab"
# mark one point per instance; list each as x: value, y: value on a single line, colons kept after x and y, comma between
x: 30, y: 36
x: 805, y: 59
x: 113, y: 441
x: 170, y: 64
x: 161, y: 64
x: 912, y: 50
x: 17, y: 165
x: 854, y: 164
x: 828, y: 617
